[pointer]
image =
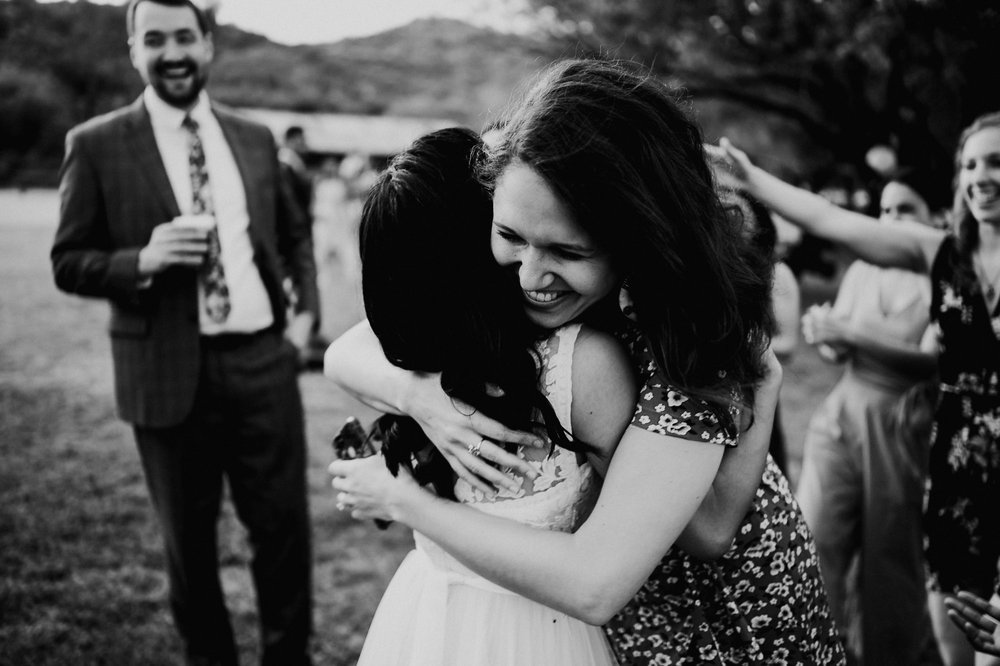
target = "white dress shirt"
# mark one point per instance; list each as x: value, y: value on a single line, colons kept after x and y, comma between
x: 250, y: 307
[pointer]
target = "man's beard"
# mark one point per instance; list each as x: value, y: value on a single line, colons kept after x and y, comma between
x: 166, y: 88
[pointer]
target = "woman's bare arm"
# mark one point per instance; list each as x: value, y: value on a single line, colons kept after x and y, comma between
x: 906, y: 245
x: 355, y: 361
x: 787, y: 304
x: 653, y: 487
x: 713, y: 527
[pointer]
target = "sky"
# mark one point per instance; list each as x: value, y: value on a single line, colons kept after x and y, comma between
x: 318, y: 21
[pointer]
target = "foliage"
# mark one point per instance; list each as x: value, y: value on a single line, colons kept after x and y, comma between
x: 65, y: 62
x: 850, y: 73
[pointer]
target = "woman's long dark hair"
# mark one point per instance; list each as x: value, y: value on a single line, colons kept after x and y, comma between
x: 617, y: 149
x: 435, y: 297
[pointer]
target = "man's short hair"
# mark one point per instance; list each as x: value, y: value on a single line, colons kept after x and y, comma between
x: 294, y: 132
x: 203, y: 14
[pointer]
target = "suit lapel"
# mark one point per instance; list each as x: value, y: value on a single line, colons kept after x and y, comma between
x: 142, y: 142
x: 241, y: 146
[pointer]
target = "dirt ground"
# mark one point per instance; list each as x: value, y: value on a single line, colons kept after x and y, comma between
x: 81, y: 573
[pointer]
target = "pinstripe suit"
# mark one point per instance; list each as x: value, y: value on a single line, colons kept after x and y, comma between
x: 114, y: 190
x: 200, y: 411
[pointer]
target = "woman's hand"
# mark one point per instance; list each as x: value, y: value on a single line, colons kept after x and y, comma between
x: 978, y: 618
x: 368, y: 490
x: 828, y: 331
x: 465, y: 437
x: 734, y: 160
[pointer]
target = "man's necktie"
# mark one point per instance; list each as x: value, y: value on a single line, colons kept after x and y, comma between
x: 213, y: 276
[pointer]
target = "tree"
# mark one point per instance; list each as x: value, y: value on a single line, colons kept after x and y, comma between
x: 849, y: 73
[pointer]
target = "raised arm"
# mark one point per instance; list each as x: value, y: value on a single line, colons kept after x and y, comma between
x: 906, y: 245
x: 355, y: 361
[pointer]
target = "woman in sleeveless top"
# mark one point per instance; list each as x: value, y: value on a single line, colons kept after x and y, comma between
x: 861, y: 488
x: 962, y: 503
x: 598, y: 164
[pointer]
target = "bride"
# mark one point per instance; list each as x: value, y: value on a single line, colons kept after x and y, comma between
x: 437, y: 306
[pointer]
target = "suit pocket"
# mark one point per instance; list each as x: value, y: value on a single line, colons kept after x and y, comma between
x: 128, y: 325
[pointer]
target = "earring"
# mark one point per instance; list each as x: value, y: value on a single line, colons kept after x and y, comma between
x: 625, y: 302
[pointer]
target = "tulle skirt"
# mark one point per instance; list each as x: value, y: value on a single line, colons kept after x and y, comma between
x: 437, y: 613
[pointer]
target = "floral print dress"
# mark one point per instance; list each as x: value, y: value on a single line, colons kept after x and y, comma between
x: 761, y: 603
x: 962, y: 504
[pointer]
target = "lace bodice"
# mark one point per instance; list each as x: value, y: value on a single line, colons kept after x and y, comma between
x: 565, y: 490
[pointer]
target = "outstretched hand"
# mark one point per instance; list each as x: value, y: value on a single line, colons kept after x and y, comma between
x: 978, y: 618
x: 735, y: 160
x: 467, y: 438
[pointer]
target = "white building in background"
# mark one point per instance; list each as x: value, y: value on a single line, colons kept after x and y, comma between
x: 339, y: 135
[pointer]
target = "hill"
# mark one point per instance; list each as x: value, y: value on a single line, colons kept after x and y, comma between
x: 61, y: 63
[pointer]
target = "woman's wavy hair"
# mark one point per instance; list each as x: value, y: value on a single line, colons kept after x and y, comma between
x: 966, y: 227
x: 435, y: 297
x: 616, y: 147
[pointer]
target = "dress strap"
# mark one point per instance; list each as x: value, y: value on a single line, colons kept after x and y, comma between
x: 557, y: 359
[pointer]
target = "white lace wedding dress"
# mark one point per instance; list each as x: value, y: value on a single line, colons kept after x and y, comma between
x: 436, y: 612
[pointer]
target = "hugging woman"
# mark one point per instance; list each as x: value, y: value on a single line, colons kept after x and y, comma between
x: 695, y: 551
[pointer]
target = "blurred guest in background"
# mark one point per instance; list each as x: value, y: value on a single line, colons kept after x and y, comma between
x: 962, y: 503
x: 860, y: 488
x: 291, y: 157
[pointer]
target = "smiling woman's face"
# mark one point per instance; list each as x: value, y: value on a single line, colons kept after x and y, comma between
x: 561, y: 271
x: 979, y: 174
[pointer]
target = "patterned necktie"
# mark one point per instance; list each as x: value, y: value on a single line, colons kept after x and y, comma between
x: 213, y: 276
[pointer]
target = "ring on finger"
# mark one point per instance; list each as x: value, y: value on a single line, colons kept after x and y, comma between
x: 475, y: 446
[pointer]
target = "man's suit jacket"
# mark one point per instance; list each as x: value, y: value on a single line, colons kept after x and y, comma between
x: 113, y: 190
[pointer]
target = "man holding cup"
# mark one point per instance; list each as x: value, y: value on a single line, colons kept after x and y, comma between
x: 173, y: 209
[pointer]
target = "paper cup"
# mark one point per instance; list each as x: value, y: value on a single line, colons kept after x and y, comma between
x: 203, y: 221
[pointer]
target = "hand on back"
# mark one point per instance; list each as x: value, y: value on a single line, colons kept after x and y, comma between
x: 467, y: 438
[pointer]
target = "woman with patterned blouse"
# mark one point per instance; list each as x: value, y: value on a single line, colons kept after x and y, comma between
x: 597, y: 163
x: 962, y: 503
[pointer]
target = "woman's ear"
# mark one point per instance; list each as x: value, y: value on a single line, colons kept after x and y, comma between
x: 625, y: 303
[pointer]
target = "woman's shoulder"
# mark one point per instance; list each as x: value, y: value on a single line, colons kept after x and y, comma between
x: 604, y: 386
x: 600, y: 363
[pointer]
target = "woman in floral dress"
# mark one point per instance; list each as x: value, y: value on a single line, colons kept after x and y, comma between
x: 962, y: 503
x: 599, y: 162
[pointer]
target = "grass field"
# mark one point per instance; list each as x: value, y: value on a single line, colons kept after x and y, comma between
x: 81, y: 572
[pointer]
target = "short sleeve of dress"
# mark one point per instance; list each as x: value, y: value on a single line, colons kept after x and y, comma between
x: 667, y: 410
